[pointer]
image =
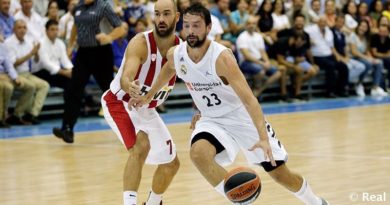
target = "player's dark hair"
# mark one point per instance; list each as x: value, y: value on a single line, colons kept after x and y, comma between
x: 199, y: 10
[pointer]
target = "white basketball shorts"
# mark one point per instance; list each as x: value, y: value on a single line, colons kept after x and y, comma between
x: 126, y: 124
x: 236, y: 131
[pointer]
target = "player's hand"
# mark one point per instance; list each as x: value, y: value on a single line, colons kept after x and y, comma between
x: 139, y: 102
x: 103, y: 38
x: 266, y: 147
x: 134, y: 89
x: 195, y: 119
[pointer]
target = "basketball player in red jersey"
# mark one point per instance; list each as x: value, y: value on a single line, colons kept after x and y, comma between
x: 142, y: 131
x: 231, y: 118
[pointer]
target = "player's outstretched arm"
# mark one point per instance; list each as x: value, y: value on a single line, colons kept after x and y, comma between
x: 135, y: 55
x: 227, y: 68
x: 166, y: 73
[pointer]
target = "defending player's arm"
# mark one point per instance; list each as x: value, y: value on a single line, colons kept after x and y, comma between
x: 135, y: 55
x: 227, y: 68
x: 166, y: 73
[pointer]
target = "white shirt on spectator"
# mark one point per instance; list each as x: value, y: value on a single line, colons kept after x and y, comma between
x: 18, y: 49
x: 216, y: 28
x: 66, y: 21
x: 52, y: 56
x: 321, y: 44
x: 35, y: 25
x: 280, y: 22
x: 350, y: 22
x: 14, y: 7
x: 254, y: 43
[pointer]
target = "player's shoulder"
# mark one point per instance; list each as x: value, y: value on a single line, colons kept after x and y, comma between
x: 138, y: 44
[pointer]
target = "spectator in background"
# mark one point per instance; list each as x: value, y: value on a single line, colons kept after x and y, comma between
x: 181, y: 6
x: 238, y: 19
x: 21, y: 53
x: 291, y: 53
x: 253, y: 7
x: 386, y: 10
x: 330, y: 13
x: 359, y: 46
x: 321, y: 38
x: 380, y: 48
x: 266, y: 23
x: 15, y: 7
x: 8, y: 79
x: 254, y: 60
x: 279, y: 17
x: 6, y: 20
x: 54, y: 65
x: 350, y: 11
x: 382, y: 21
x: 35, y: 25
x: 66, y: 22
x: 222, y: 12
x: 135, y: 10
x: 363, y: 13
x: 41, y: 6
x: 94, y: 57
x: 376, y: 9
x: 52, y: 12
x: 355, y: 67
x: 298, y: 7
x: 314, y: 11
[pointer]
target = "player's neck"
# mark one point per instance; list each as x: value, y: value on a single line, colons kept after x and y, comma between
x: 196, y: 54
x: 164, y: 41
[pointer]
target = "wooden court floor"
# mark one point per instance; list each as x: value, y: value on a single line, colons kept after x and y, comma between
x: 343, y: 153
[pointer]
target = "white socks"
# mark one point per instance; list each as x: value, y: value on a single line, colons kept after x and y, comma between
x: 306, y: 195
x: 154, y: 199
x: 129, y: 198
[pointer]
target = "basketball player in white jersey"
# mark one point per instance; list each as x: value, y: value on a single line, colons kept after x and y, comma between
x: 231, y: 118
x: 143, y: 133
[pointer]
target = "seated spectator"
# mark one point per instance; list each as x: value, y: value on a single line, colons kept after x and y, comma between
x: 355, y: 68
x: 66, y: 22
x: 21, y: 53
x: 266, y: 22
x: 34, y: 22
x: 6, y: 20
x: 376, y: 9
x: 314, y: 11
x: 222, y: 12
x: 135, y: 10
x: 362, y: 13
x: 321, y: 38
x: 291, y: 53
x: 380, y: 48
x: 382, y: 21
x: 298, y: 7
x: 40, y: 6
x: 330, y: 13
x: 358, y: 43
x: 253, y: 7
x: 350, y: 11
x: 279, y: 17
x: 254, y: 60
x: 52, y: 12
x: 386, y: 10
x: 238, y: 19
x: 54, y: 66
x: 8, y: 79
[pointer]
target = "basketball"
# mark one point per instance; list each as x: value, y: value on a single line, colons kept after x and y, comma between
x: 242, y: 185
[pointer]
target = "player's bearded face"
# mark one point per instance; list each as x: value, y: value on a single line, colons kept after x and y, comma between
x: 194, y: 41
x: 163, y: 29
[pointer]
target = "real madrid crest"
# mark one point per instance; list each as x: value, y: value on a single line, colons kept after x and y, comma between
x: 183, y: 69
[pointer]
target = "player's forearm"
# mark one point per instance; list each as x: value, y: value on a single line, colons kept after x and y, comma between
x: 257, y: 116
x: 163, y: 78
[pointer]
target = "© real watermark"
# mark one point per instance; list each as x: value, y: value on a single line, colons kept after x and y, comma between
x: 368, y: 197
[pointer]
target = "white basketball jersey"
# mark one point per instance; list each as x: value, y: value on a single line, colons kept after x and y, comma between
x: 212, y: 97
x: 147, y: 74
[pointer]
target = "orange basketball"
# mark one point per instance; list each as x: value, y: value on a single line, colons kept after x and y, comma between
x: 242, y: 185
